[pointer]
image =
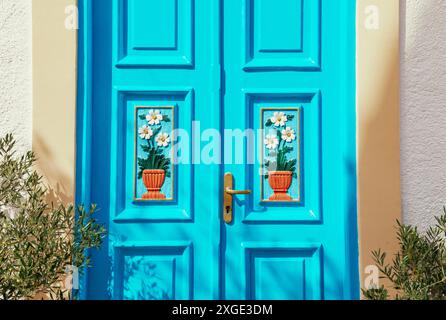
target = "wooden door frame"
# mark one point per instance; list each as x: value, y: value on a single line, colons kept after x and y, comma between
x: 61, y: 122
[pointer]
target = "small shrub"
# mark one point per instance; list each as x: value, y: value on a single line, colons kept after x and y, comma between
x: 418, y: 270
x: 38, y: 240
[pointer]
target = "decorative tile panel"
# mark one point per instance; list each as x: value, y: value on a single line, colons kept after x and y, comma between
x: 153, y: 153
x: 281, y: 154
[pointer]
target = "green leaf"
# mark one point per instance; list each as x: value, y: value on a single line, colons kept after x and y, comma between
x: 268, y: 123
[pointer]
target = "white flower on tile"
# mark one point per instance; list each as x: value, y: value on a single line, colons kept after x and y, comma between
x: 271, y: 142
x: 288, y: 135
x: 279, y: 119
x: 163, y: 140
x: 154, y: 117
x: 145, y: 132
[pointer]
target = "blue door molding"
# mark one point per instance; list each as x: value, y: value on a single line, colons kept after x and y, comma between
x: 252, y: 255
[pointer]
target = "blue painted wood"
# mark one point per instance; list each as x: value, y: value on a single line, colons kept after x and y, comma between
x: 268, y: 47
x: 83, y: 117
x: 324, y: 92
x: 171, y: 45
x: 155, y: 79
x: 221, y: 69
x: 153, y: 270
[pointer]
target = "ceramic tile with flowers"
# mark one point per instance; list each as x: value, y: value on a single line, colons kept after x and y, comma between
x: 281, y: 155
x: 154, y: 153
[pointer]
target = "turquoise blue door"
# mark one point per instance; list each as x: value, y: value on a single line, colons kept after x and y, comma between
x: 218, y: 140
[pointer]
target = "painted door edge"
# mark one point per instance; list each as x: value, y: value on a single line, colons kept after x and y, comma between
x: 83, y: 117
x: 352, y: 277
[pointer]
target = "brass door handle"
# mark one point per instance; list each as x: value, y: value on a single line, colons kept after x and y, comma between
x: 233, y: 192
x: 227, y: 197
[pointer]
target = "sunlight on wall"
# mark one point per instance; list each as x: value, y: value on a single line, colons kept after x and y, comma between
x: 54, y: 104
x: 379, y: 204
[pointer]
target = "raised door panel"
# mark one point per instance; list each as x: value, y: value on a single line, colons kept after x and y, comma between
x: 153, y: 33
x: 153, y: 271
x: 282, y: 35
x: 276, y: 113
x: 285, y: 271
x: 173, y: 109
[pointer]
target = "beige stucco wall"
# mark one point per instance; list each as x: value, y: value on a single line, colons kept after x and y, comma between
x: 54, y: 94
x: 379, y: 203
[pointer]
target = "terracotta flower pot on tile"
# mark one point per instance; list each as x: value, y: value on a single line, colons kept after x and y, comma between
x: 280, y: 182
x: 153, y: 180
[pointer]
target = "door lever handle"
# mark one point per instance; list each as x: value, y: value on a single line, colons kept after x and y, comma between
x: 227, y: 197
x: 233, y: 192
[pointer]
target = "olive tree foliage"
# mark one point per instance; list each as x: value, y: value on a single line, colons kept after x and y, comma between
x: 39, y: 241
x: 418, y: 269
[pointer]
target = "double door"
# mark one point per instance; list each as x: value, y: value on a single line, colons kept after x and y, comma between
x: 222, y: 149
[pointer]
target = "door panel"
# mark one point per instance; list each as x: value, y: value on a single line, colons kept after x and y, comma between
x: 283, y: 69
x: 163, y: 247
x: 289, y: 271
x: 170, y: 46
x: 292, y: 244
x: 281, y: 35
x: 153, y: 271
x: 260, y: 103
x: 127, y: 146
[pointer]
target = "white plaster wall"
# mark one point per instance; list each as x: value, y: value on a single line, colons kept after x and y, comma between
x: 15, y: 71
x: 423, y: 110
x: 423, y: 97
